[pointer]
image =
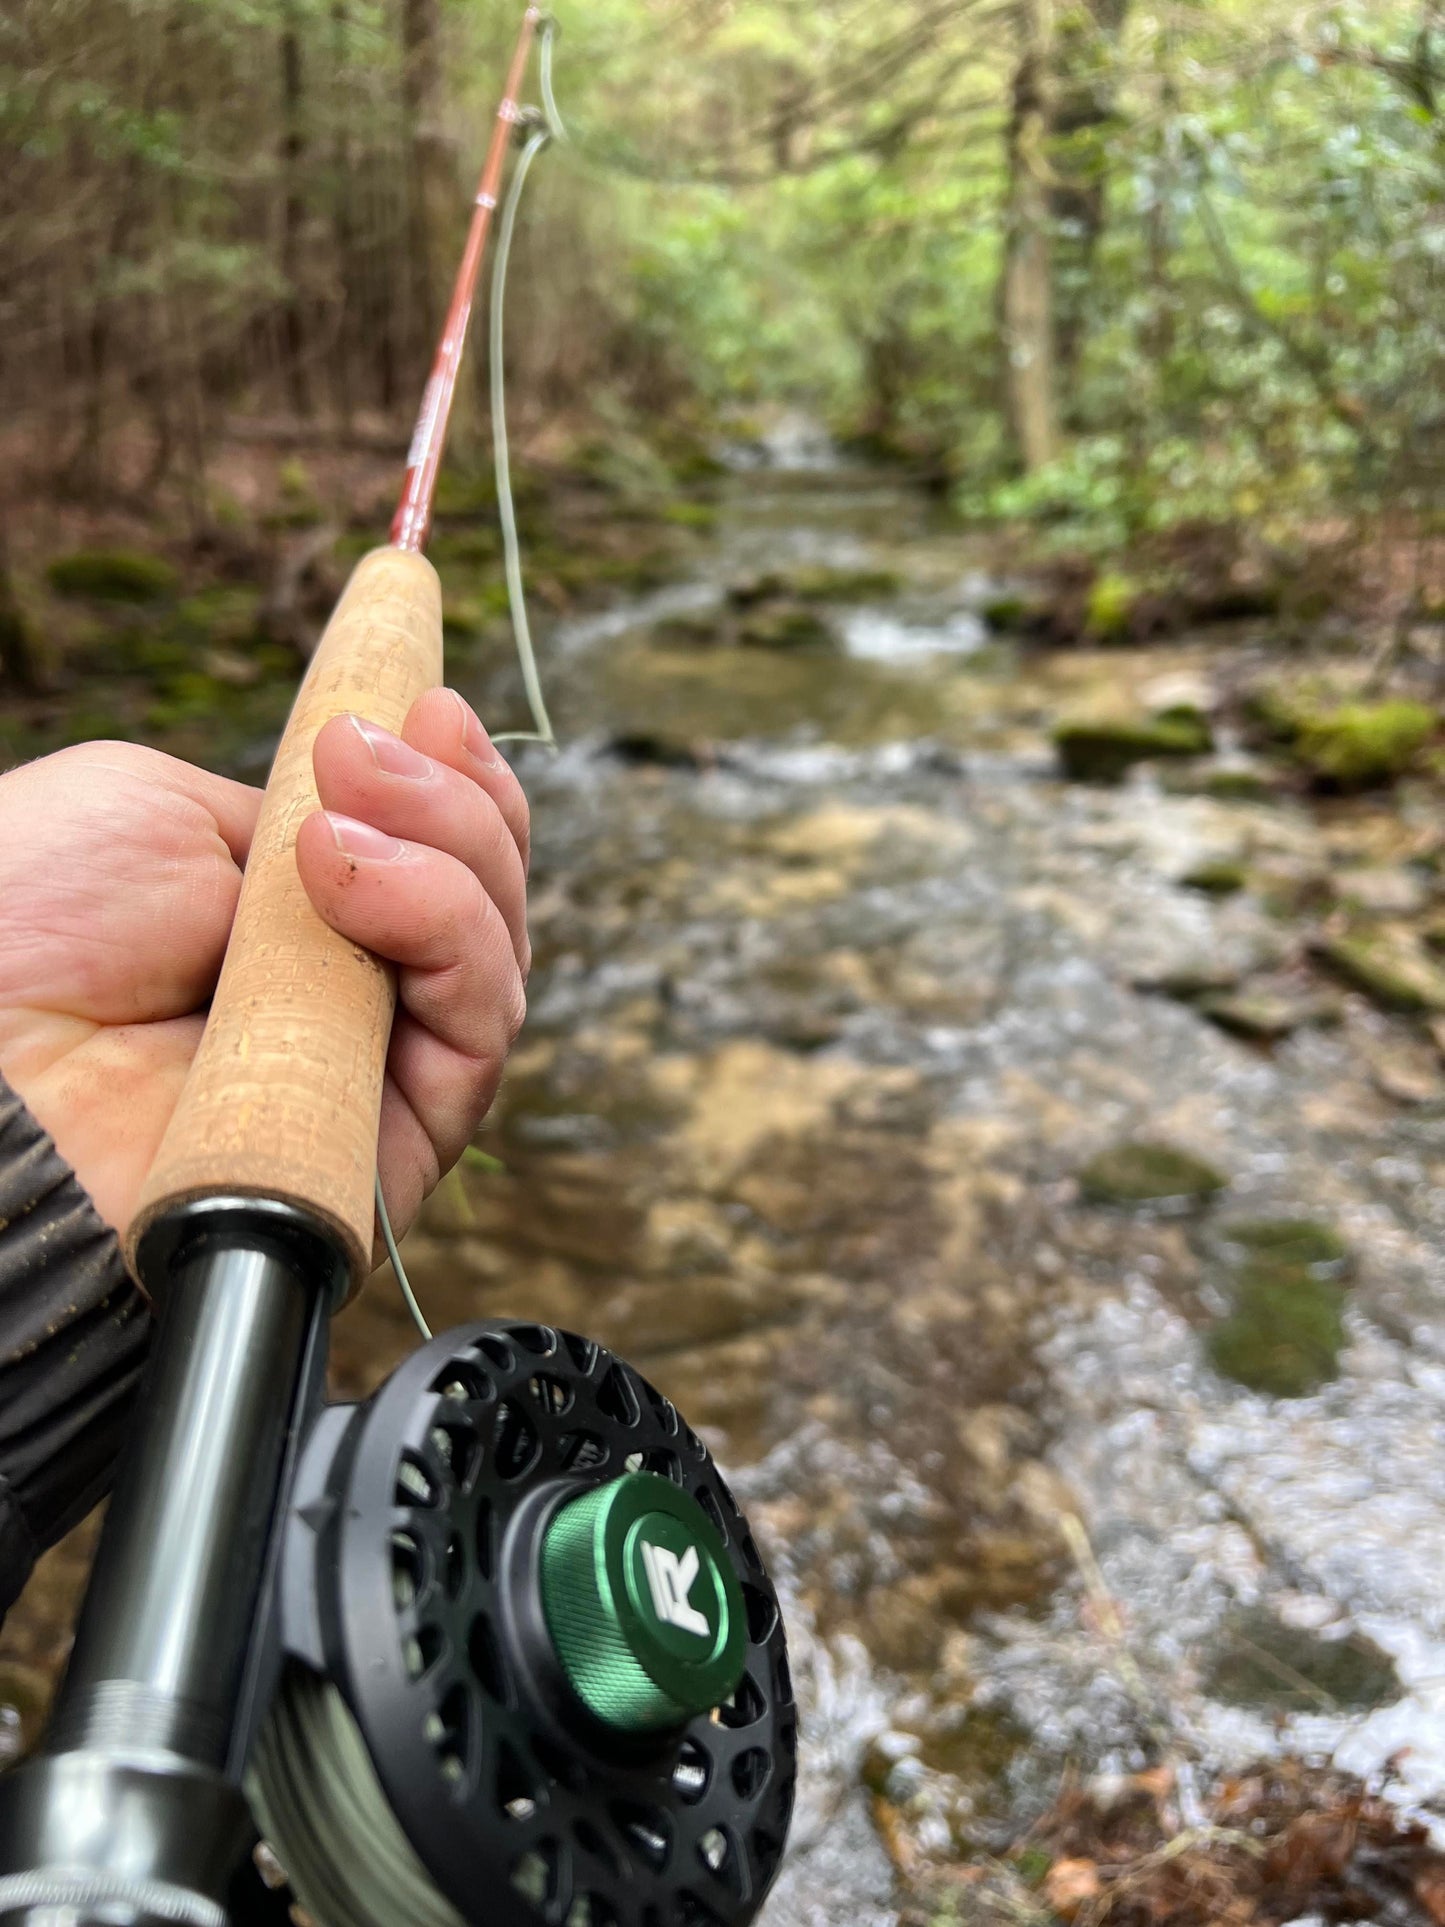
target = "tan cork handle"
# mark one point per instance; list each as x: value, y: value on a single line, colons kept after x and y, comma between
x: 283, y: 1099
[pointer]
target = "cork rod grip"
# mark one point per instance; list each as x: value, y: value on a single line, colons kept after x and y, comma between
x: 283, y: 1099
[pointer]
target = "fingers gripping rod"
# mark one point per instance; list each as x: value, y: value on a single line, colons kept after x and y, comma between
x: 257, y: 1218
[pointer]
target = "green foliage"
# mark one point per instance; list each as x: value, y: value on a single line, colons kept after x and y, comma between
x: 112, y: 575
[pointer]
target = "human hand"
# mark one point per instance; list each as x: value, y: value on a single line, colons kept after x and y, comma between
x: 119, y: 873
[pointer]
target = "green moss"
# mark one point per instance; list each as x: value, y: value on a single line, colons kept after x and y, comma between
x: 1144, y: 1173
x: 1006, y: 614
x: 1218, y: 877
x: 460, y: 496
x: 1100, y: 749
x: 225, y: 616
x: 1109, y: 611
x: 467, y: 548
x: 690, y: 515
x: 112, y: 575
x: 1285, y: 1333
x: 1262, y: 1664
x: 1289, y: 1241
x: 783, y: 625
x: 1392, y: 971
x: 1361, y: 745
x: 1285, y: 1327
x: 190, y: 697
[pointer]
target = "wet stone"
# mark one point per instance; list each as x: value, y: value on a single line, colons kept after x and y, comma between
x: 1260, y: 1662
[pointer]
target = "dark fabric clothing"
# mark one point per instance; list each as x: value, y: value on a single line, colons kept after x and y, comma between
x: 74, y: 1332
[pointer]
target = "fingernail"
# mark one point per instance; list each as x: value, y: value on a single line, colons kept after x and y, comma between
x: 360, y: 840
x: 390, y: 753
x: 475, y: 739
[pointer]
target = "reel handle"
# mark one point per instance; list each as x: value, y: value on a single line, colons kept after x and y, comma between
x: 283, y: 1100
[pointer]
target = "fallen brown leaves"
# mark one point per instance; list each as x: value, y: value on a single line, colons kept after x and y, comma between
x: 1281, y: 1841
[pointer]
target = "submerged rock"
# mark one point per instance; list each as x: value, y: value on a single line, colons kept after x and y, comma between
x: 1102, y: 749
x: 1261, y: 1662
x: 1144, y: 1173
x: 1285, y: 1329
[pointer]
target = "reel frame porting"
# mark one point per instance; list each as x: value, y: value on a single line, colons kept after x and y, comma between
x: 410, y: 1581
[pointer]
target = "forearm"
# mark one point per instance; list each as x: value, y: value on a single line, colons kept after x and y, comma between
x: 74, y: 1332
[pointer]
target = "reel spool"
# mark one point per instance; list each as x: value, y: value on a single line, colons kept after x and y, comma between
x: 535, y: 1671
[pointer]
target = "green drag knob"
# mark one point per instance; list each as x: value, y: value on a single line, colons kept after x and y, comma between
x: 643, y: 1606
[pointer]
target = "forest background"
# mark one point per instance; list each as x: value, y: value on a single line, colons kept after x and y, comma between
x: 1106, y: 269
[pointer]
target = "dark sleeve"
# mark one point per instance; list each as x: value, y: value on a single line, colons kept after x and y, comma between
x: 74, y: 1332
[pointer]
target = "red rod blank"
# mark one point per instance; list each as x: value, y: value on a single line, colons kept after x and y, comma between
x: 411, y: 524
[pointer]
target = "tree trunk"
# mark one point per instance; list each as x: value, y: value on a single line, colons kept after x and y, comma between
x: 431, y: 177
x: 1081, y: 112
x: 1025, y: 293
x: 292, y: 158
x: 18, y: 666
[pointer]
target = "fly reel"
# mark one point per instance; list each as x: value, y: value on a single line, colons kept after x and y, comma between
x: 535, y: 1671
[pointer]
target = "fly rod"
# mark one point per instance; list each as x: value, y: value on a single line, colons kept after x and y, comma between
x: 495, y: 1645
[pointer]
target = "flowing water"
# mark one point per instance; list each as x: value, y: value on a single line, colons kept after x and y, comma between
x: 838, y: 988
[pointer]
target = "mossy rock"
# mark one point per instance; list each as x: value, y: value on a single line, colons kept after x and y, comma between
x: 1110, y: 607
x: 1012, y: 612
x: 1285, y: 1332
x: 1265, y: 1016
x: 1241, y: 782
x: 1363, y: 745
x: 813, y: 584
x: 1139, y: 1172
x: 1393, y: 972
x: 1216, y: 877
x: 112, y: 575
x: 689, y: 631
x: 784, y: 625
x: 1102, y: 749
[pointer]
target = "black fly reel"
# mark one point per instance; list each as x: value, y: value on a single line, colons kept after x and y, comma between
x: 516, y: 1578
